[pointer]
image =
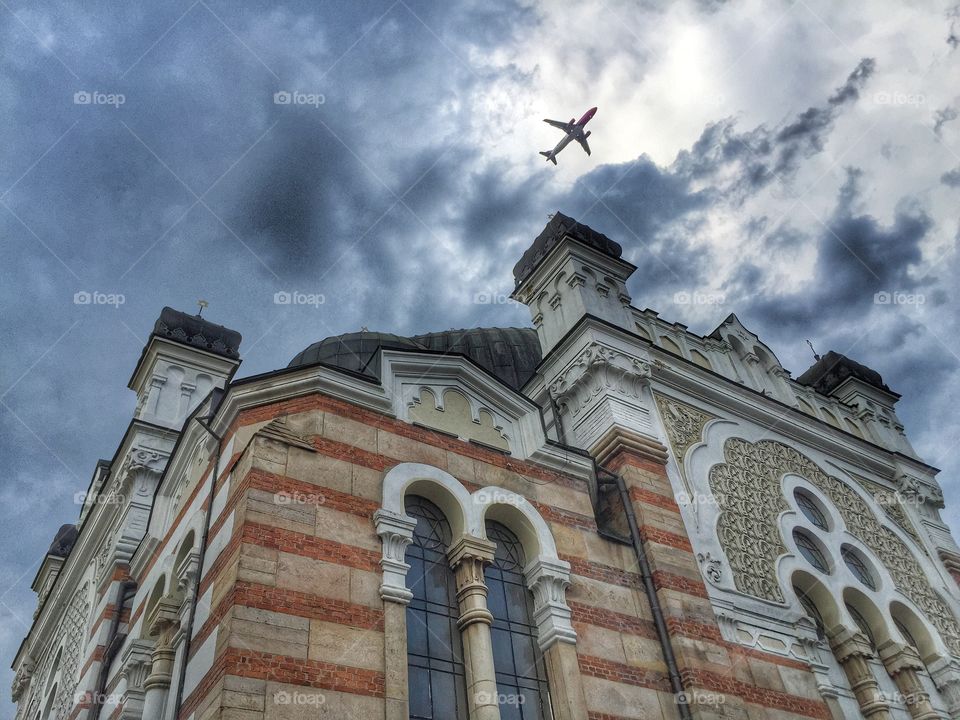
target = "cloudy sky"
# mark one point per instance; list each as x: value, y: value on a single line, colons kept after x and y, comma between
x: 792, y: 159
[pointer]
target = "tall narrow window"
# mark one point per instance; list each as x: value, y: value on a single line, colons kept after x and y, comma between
x: 521, y: 680
x: 437, y: 688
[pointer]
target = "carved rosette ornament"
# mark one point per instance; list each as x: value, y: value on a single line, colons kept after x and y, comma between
x: 710, y: 567
x: 599, y: 369
x: 684, y: 424
x: 396, y: 533
x: 748, y: 489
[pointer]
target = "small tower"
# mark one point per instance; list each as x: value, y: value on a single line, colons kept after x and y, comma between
x: 571, y: 271
x: 185, y: 358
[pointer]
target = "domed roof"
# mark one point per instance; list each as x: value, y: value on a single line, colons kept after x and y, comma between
x: 353, y: 351
x: 511, y: 354
x: 63, y: 541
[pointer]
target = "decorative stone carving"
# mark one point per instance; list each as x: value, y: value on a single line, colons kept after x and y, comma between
x: 890, y: 501
x: 21, y: 680
x: 710, y: 567
x: 135, y: 668
x: 684, y: 424
x: 598, y: 369
x: 748, y: 489
x: 396, y: 533
x: 73, y: 630
x: 853, y: 652
x: 916, y: 491
x: 548, y: 580
x: 946, y: 676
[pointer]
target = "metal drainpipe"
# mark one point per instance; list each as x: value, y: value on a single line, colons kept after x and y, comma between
x: 663, y: 634
x: 203, y: 553
x: 124, y: 592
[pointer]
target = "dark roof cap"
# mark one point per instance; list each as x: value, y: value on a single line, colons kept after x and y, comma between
x: 559, y: 227
x: 63, y: 541
x: 194, y: 331
x: 357, y: 351
x: 511, y: 354
x: 832, y: 369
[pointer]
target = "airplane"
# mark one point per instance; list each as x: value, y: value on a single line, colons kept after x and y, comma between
x: 574, y: 131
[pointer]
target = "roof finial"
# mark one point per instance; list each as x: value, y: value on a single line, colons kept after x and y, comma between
x: 815, y: 356
x: 202, y: 304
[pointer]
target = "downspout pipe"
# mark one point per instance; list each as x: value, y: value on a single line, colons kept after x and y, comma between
x: 204, y: 423
x: 126, y: 590
x: 646, y: 575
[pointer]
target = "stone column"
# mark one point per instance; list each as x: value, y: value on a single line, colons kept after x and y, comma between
x: 853, y: 652
x: 903, y: 662
x: 946, y: 676
x: 396, y: 533
x: 164, y: 622
x: 468, y: 557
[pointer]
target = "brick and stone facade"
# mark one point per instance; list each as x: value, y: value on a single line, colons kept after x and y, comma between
x: 245, y: 553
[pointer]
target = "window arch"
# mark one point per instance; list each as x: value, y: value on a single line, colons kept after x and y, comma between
x: 517, y: 660
x: 437, y: 685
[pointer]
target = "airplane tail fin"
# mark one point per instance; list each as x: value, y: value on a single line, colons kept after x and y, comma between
x: 549, y: 156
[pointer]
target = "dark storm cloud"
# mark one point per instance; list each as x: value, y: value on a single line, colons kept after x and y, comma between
x: 763, y: 155
x: 951, y: 178
x: 857, y: 257
x: 942, y: 116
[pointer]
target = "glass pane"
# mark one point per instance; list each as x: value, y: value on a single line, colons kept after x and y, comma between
x: 436, y: 683
x: 521, y: 681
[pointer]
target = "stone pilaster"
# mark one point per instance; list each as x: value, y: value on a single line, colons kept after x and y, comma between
x: 853, y: 652
x: 903, y: 664
x: 396, y: 533
x: 946, y: 676
x: 135, y: 668
x: 468, y: 558
x: 164, y: 622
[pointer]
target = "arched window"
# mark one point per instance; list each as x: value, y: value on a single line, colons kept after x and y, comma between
x: 521, y: 680
x: 434, y: 652
x: 862, y: 623
x: 812, y: 610
x: 811, y: 509
x: 809, y: 549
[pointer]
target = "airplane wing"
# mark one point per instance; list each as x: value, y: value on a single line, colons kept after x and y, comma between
x: 557, y: 124
x: 584, y: 145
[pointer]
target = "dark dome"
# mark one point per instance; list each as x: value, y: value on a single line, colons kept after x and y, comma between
x: 511, y: 354
x: 63, y: 541
x: 353, y: 351
x: 832, y: 369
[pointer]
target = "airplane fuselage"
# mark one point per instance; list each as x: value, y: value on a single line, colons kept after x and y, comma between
x: 574, y: 131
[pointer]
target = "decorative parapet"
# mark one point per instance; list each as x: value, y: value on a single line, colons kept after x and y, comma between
x: 548, y: 581
x: 396, y: 533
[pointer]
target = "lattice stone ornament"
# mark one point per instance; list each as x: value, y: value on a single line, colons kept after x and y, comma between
x: 684, y: 424
x: 748, y: 489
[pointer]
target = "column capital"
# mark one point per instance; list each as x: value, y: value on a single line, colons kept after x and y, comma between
x: 473, y: 549
x: 847, y: 643
x: 548, y: 580
x: 897, y: 657
x: 468, y: 557
x: 396, y: 533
